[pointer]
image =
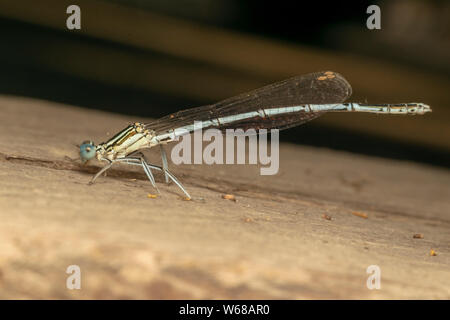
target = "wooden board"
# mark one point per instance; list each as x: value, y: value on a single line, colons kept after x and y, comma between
x: 275, y: 241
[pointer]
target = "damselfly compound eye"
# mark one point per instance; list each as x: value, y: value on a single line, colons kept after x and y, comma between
x: 87, y: 151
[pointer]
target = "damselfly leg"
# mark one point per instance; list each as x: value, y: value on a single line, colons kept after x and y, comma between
x: 164, y: 162
x: 101, y: 171
x: 140, y: 160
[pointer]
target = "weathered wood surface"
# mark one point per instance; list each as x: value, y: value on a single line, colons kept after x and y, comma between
x: 273, y: 242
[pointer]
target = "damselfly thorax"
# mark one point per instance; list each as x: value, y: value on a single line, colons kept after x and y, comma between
x: 129, y: 140
x: 281, y: 105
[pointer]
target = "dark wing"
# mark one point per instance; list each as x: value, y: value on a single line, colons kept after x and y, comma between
x: 314, y: 88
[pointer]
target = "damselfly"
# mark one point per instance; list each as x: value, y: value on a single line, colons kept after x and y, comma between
x: 281, y: 105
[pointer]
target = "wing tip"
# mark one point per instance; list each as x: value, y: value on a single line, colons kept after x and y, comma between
x: 334, y: 76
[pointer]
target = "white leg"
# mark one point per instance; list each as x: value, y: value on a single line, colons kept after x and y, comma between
x: 140, y: 162
x: 101, y: 171
x: 164, y: 162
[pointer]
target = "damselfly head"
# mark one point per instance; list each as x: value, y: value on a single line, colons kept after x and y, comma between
x: 87, y: 151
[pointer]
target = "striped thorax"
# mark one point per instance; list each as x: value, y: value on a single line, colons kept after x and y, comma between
x: 127, y: 141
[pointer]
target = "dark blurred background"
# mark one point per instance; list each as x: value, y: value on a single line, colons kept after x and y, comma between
x: 153, y: 57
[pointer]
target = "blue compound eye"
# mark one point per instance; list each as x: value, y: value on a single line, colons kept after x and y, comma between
x: 87, y: 151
